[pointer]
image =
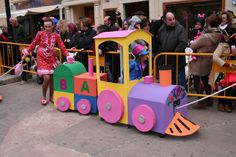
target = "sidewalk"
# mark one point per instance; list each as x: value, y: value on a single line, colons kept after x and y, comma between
x: 7, y: 79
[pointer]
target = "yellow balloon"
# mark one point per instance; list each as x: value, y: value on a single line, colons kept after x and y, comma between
x: 27, y: 59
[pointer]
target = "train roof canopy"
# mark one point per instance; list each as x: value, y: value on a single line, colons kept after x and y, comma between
x: 117, y: 34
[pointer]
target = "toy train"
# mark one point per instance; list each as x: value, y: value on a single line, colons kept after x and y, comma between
x: 140, y: 103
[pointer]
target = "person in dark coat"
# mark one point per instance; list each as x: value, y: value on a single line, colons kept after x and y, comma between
x: 84, y: 40
x: 18, y: 36
x: 155, y: 26
x: 110, y: 23
x: 172, y: 37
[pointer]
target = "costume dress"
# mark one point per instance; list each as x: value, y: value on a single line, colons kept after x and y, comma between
x: 46, y: 57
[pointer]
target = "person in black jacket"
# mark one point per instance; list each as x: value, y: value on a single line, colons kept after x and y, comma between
x: 84, y: 40
x: 110, y: 23
x: 172, y: 37
x: 18, y: 36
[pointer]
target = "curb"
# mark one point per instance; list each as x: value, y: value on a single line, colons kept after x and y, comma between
x: 7, y: 79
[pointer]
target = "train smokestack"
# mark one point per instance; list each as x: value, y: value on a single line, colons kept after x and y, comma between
x: 90, y: 67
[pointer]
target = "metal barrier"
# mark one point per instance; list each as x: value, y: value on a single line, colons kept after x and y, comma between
x: 215, y: 69
x: 10, y: 55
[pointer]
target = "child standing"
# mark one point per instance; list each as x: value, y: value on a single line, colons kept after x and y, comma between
x: 46, y: 57
x: 26, y: 66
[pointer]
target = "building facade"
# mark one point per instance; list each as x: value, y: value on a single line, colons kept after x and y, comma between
x: 97, y: 9
x: 33, y: 10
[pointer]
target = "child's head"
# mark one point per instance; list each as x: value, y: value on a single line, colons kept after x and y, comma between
x: 49, y: 24
x: 139, y: 51
x: 134, y: 23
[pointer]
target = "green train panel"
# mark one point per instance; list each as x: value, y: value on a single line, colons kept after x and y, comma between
x: 64, y: 76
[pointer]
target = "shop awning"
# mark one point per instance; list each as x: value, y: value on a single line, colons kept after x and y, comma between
x: 32, y: 11
x: 43, y: 9
x: 15, y: 13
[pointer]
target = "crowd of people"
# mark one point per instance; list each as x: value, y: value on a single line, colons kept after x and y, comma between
x: 212, y: 33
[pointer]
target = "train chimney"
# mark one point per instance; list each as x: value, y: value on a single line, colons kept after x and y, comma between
x: 90, y: 67
x: 148, y: 79
x: 165, y: 75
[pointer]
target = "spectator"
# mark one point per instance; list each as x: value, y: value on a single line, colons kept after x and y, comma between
x: 3, y: 34
x: 125, y: 24
x: 26, y: 66
x: 225, y: 20
x: 134, y: 23
x: 201, y: 67
x: 172, y: 37
x: 145, y: 25
x: 118, y: 19
x: 155, y: 26
x: 62, y: 28
x: 4, y: 48
x: 196, y: 31
x: 227, y: 46
x: 108, y: 21
x: 84, y: 40
x: 69, y: 38
x: 106, y: 47
x: 18, y: 34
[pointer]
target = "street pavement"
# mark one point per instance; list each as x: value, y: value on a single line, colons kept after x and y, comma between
x: 28, y: 129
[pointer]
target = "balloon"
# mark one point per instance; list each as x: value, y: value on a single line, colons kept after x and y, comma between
x: 27, y: 59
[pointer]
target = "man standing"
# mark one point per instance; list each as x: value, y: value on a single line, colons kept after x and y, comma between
x: 108, y: 21
x: 172, y: 37
x: 18, y: 34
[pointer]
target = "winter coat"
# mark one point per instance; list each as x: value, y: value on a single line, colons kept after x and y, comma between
x: 18, y: 35
x: 135, y: 70
x: 206, y: 43
x: 173, y: 39
x: 221, y: 48
x: 85, y: 39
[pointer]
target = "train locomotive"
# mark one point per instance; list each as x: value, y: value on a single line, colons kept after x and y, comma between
x: 141, y: 103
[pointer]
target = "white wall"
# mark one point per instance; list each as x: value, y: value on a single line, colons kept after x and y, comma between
x: 229, y: 5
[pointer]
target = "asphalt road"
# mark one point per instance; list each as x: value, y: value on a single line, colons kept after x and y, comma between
x: 28, y: 129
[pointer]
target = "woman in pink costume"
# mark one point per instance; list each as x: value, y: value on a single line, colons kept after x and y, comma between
x: 46, y: 57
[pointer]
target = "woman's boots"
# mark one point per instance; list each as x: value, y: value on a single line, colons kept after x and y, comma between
x: 225, y: 108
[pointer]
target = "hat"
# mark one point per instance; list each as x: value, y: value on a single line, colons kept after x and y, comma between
x: 138, y: 49
x: 55, y: 21
x: 133, y: 21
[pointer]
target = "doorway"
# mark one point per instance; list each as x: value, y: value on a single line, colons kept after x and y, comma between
x: 131, y: 8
